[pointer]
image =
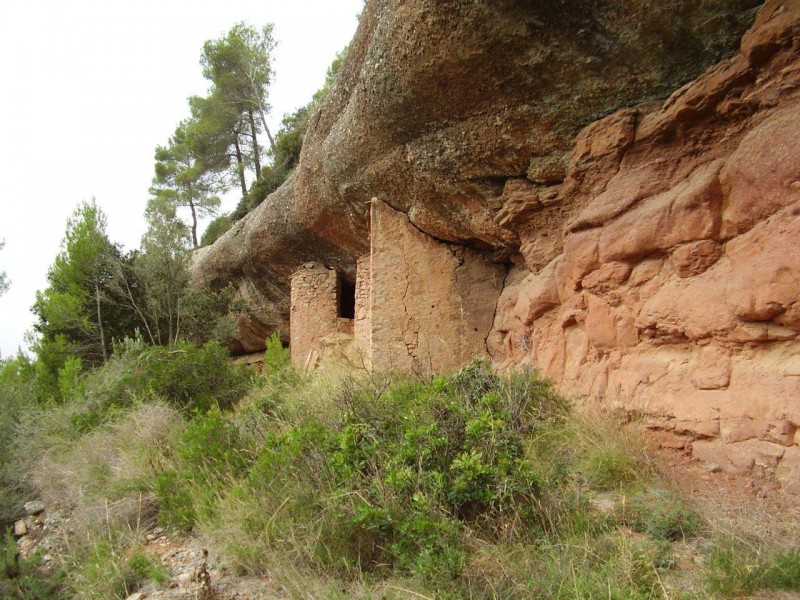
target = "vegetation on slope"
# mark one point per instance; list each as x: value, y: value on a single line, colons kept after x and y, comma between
x: 466, y: 486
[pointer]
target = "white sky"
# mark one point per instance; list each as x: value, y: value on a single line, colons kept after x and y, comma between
x: 89, y: 88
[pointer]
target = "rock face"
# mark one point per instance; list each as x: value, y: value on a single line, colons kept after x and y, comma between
x: 675, y: 290
x: 431, y: 304
x: 648, y: 248
x: 440, y: 102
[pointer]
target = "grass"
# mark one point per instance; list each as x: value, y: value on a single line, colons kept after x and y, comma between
x: 358, y: 485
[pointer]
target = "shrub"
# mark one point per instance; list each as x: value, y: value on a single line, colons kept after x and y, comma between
x: 208, y: 455
x: 276, y: 357
x: 662, y: 514
x: 216, y: 228
x: 418, y: 462
x: 187, y: 377
x: 24, y: 578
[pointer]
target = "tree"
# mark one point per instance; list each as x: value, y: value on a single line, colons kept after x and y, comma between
x: 158, y: 286
x: 4, y: 283
x: 217, y: 136
x: 239, y: 65
x: 183, y: 179
x: 162, y: 272
x: 285, y: 151
x: 78, y: 312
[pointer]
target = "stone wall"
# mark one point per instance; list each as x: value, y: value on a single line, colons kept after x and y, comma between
x: 672, y: 289
x: 363, y: 317
x: 314, y: 322
x: 420, y: 304
x: 432, y: 303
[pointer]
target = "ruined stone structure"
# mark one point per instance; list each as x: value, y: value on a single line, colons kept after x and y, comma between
x: 322, y: 313
x: 419, y: 304
x: 623, y: 216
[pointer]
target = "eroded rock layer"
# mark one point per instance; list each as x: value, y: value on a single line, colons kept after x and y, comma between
x: 674, y: 291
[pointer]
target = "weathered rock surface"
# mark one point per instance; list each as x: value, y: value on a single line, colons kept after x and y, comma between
x: 678, y: 286
x: 438, y: 105
x: 651, y: 246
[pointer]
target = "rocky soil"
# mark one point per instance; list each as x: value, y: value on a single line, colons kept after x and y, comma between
x: 728, y: 502
x: 194, y: 571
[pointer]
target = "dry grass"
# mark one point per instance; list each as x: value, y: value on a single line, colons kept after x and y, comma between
x: 103, y: 477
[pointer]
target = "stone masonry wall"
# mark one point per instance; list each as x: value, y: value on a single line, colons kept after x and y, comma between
x: 363, y: 316
x: 431, y: 303
x: 314, y: 316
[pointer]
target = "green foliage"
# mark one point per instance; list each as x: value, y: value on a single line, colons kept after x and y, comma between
x: 69, y: 380
x: 410, y: 468
x: 80, y: 312
x: 285, y: 157
x: 188, y: 377
x: 141, y: 568
x: 662, y: 515
x: 737, y: 570
x: 176, y: 504
x: 25, y: 578
x: 464, y: 486
x: 183, y: 179
x: 216, y: 228
x: 608, y: 468
x: 209, y: 443
x: 276, y: 356
x: 229, y: 120
x: 107, y: 568
x: 17, y: 396
x: 207, y: 452
x: 205, y: 314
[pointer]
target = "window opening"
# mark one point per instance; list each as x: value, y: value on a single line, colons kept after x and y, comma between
x: 346, y: 297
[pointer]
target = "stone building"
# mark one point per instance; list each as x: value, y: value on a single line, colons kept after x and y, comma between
x: 417, y: 304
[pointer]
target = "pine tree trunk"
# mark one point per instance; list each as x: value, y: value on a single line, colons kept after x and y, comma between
x: 194, y: 224
x: 266, y: 129
x: 256, y: 149
x: 100, y: 320
x: 240, y: 165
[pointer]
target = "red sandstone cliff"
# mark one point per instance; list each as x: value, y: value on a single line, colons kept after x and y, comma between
x: 650, y: 258
x: 672, y: 288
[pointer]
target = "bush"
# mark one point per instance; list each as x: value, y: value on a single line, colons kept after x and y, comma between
x: 276, y: 357
x: 216, y: 229
x: 662, y: 515
x: 208, y: 454
x: 411, y: 466
x: 188, y: 377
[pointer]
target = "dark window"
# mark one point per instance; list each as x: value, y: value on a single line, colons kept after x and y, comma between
x: 346, y: 297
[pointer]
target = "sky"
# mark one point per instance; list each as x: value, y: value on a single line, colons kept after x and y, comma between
x: 89, y: 88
